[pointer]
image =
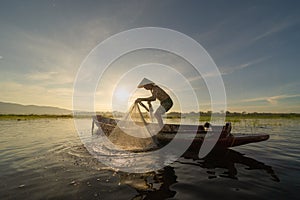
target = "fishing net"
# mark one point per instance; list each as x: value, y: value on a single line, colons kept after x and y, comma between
x: 132, y: 132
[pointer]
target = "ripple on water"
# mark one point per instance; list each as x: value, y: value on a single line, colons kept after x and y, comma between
x: 46, y: 159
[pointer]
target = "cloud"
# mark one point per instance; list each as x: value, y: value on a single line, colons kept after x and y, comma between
x: 272, y: 100
x: 232, y: 69
x: 229, y: 70
x: 1, y: 57
x: 35, y: 94
x: 51, y: 77
x: 275, y: 29
x: 39, y: 76
x: 223, y: 43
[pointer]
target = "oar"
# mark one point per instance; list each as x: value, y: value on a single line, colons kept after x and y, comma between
x: 93, y: 124
x: 144, y: 106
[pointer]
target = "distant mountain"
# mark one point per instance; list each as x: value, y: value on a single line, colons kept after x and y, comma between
x: 13, y: 108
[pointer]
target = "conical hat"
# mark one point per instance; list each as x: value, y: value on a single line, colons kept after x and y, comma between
x: 144, y: 82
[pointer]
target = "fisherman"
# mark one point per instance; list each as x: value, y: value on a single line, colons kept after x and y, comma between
x: 157, y: 93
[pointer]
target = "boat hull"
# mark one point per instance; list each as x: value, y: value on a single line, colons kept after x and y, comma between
x: 169, y: 131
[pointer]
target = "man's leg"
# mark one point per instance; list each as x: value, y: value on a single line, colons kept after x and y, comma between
x: 158, y: 115
x: 159, y: 120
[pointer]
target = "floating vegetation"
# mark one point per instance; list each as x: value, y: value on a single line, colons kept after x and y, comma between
x: 33, y: 117
x: 204, y: 116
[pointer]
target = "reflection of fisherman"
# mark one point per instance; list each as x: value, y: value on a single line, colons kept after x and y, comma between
x: 157, y: 93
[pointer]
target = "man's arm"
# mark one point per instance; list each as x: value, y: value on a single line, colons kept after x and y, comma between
x: 152, y: 98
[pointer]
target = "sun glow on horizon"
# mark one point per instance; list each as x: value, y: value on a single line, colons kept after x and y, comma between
x: 121, y: 94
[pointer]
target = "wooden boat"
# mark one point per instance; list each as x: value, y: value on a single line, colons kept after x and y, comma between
x: 168, y: 132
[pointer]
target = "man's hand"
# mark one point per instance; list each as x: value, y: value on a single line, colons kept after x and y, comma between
x: 138, y: 100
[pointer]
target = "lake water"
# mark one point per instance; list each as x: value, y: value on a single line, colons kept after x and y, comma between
x: 45, y: 159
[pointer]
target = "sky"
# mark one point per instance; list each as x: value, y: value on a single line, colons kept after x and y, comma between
x: 255, y: 45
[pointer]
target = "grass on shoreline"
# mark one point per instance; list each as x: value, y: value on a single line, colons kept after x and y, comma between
x: 230, y: 117
x: 237, y: 117
x: 33, y: 117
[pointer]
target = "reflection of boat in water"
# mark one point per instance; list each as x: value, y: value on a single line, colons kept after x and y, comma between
x: 227, y: 158
x: 157, y: 185
x: 168, y: 132
x: 154, y: 185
